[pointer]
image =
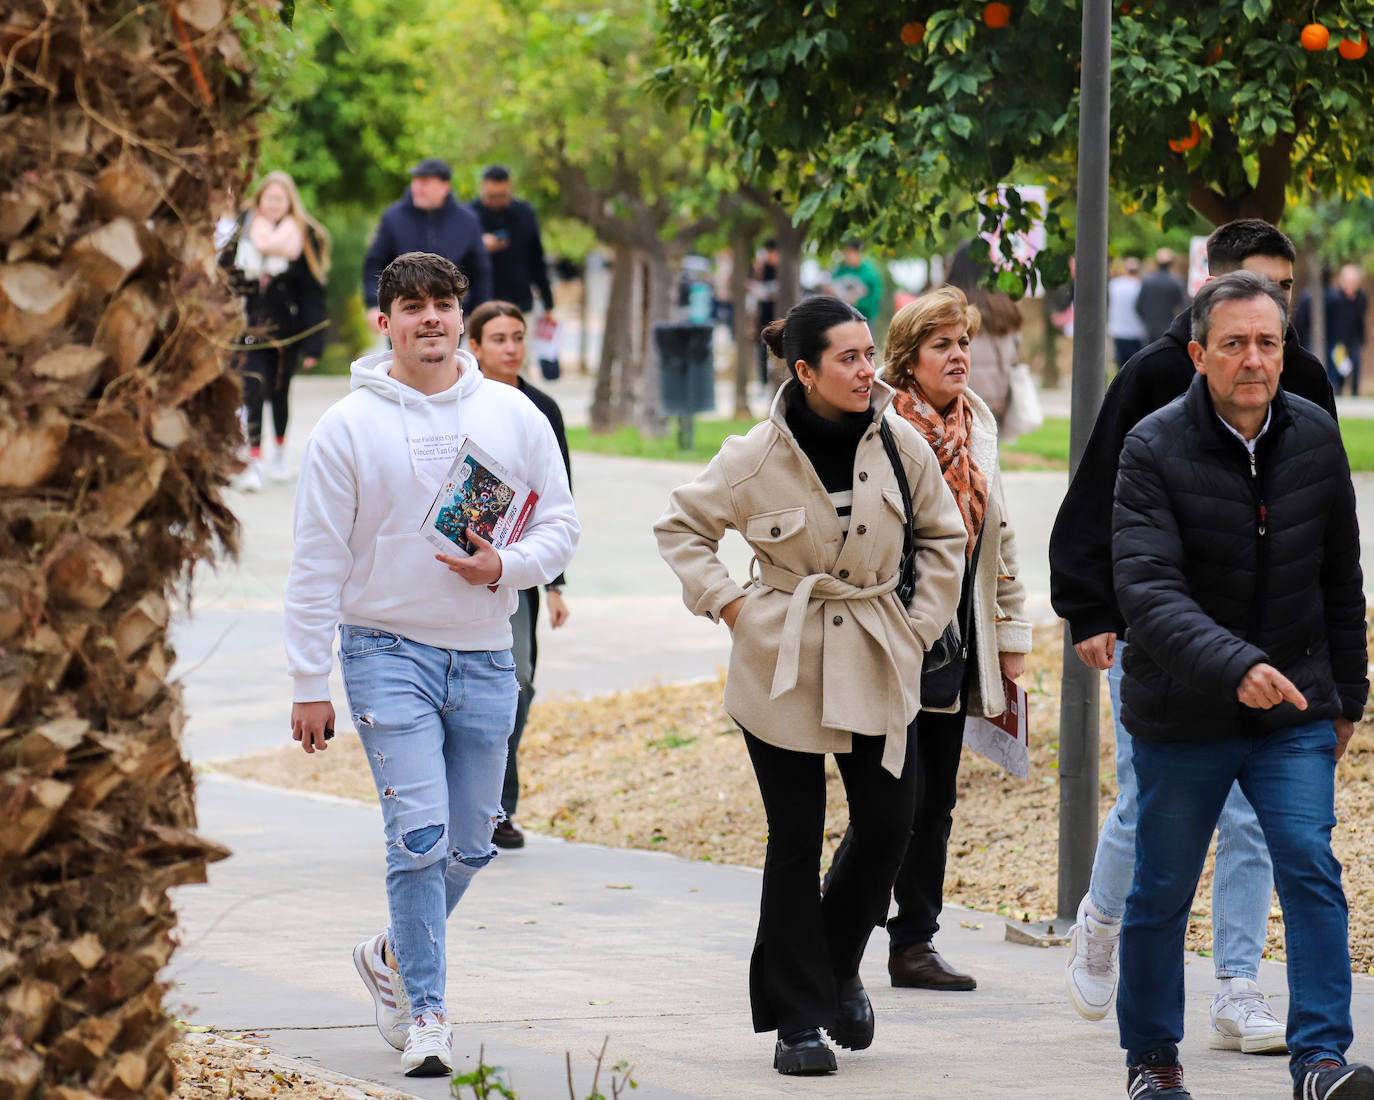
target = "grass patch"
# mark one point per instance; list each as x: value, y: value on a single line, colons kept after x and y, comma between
x: 1046, y: 448
x: 629, y: 443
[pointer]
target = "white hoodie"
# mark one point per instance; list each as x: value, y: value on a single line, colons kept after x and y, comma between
x: 371, y: 469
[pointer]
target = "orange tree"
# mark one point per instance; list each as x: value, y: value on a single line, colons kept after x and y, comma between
x: 894, y: 120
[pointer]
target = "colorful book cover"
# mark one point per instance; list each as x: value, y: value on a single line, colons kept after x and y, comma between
x: 480, y: 494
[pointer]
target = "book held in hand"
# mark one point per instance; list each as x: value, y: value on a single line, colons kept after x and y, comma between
x: 1005, y: 740
x: 481, y: 494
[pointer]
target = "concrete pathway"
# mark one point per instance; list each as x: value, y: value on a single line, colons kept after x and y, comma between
x: 560, y: 946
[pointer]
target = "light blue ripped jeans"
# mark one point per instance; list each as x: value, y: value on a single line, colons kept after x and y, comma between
x: 1243, y: 882
x: 434, y: 724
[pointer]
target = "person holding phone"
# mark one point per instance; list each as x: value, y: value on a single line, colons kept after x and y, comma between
x: 510, y: 231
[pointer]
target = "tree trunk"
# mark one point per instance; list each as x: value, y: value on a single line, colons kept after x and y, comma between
x: 742, y: 238
x: 1050, y: 374
x: 658, y: 307
x: 791, y: 238
x: 615, y: 341
x: 118, y: 428
x: 1315, y: 286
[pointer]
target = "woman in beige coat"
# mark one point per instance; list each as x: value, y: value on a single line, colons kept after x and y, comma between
x: 928, y: 362
x: 824, y: 656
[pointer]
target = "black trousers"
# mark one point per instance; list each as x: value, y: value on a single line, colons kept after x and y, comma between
x: 919, y: 887
x: 807, y: 944
x: 267, y: 376
x: 920, y: 884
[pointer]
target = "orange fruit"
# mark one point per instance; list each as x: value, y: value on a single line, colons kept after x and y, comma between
x: 1179, y: 145
x: 1352, y: 49
x: 997, y: 15
x: 913, y: 33
x: 1126, y: 9
x: 1215, y: 55
x: 1315, y: 37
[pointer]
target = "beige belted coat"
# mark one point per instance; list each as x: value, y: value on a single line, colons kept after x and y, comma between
x: 822, y: 648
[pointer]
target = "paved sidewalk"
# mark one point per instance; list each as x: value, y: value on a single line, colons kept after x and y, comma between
x: 561, y: 945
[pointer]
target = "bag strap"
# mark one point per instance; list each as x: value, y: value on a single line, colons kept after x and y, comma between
x: 890, y: 446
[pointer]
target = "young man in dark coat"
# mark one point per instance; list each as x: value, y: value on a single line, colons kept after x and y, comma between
x: 1237, y: 563
x: 510, y: 231
x: 1081, y: 587
x: 428, y: 219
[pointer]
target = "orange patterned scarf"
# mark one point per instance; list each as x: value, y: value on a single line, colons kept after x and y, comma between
x: 948, y: 436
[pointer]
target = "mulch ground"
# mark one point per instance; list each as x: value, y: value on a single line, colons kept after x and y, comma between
x: 663, y: 768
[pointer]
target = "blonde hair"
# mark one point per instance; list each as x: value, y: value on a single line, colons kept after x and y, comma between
x: 314, y: 236
x: 913, y: 326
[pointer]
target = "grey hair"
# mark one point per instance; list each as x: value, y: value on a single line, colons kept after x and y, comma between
x: 1235, y: 286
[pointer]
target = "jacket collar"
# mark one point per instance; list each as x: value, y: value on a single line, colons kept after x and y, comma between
x: 1198, y: 402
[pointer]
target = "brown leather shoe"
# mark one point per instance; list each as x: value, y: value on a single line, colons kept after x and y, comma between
x: 920, y: 967
x: 508, y: 835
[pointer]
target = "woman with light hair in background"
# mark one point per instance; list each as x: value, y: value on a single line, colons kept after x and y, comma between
x: 279, y: 256
x: 996, y: 340
x: 927, y: 361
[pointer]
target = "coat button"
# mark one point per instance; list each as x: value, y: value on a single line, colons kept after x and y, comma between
x: 844, y: 574
x: 861, y: 529
x: 710, y: 616
x: 837, y: 620
x: 863, y: 476
x: 775, y: 532
x: 868, y: 436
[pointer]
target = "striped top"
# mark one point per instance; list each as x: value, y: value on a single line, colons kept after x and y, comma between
x: 831, y: 446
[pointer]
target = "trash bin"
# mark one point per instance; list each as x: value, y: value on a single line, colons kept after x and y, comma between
x: 686, y: 373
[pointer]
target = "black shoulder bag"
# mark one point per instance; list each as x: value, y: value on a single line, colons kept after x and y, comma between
x: 942, y: 671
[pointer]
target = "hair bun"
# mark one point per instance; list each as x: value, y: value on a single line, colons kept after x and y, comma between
x: 772, y: 336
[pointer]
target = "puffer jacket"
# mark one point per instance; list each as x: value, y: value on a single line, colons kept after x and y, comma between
x: 1223, y: 561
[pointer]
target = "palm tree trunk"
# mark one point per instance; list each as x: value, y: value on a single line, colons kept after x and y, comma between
x: 118, y: 428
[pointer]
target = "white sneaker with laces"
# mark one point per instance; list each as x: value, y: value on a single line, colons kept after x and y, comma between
x: 1242, y: 1020
x: 1091, y: 971
x: 387, y: 989
x: 429, y: 1048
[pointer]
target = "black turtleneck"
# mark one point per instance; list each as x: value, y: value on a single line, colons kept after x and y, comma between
x: 829, y: 444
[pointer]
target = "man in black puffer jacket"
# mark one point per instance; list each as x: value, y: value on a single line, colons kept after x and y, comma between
x: 1236, y: 557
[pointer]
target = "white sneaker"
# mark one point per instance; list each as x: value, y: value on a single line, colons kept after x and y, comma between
x: 1241, y: 1020
x: 277, y: 469
x: 249, y: 479
x: 387, y: 989
x: 1091, y: 971
x: 429, y: 1049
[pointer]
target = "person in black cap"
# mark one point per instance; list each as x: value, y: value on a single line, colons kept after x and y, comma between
x: 510, y: 231
x: 428, y: 219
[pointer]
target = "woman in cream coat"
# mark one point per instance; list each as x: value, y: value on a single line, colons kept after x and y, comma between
x: 928, y: 363
x: 824, y: 657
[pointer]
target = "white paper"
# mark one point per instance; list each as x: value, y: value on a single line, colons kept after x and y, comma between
x: 1004, y: 740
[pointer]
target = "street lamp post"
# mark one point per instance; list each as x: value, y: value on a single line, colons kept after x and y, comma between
x: 1078, y: 752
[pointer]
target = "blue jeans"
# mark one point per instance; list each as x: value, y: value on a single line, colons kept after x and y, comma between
x: 1243, y: 882
x: 434, y: 723
x: 1289, y: 777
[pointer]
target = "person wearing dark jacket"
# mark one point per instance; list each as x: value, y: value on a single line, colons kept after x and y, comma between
x: 428, y: 219
x: 1236, y: 558
x: 1346, y: 310
x: 496, y: 334
x: 510, y: 232
x: 278, y: 256
x: 1081, y: 589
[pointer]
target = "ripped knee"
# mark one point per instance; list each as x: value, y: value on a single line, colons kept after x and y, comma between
x: 469, y: 862
x: 424, y: 845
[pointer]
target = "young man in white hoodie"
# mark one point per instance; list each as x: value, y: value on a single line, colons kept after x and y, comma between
x: 425, y: 639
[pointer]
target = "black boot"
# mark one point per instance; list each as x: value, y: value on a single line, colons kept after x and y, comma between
x: 803, y: 1054
x: 853, y: 1028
